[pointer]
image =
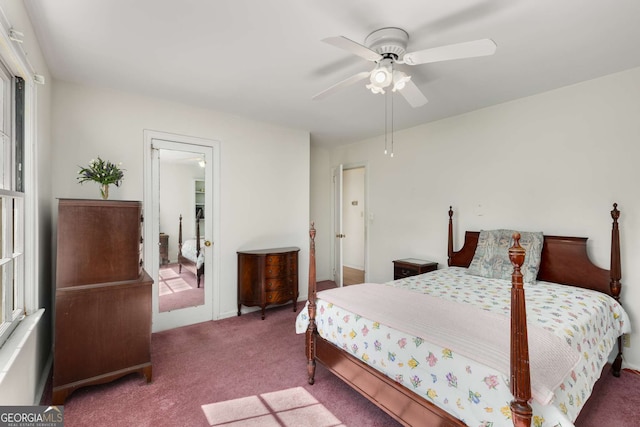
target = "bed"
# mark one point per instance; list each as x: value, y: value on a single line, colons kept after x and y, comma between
x: 191, y: 252
x: 422, y: 381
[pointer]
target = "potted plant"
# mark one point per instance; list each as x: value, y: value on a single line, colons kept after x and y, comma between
x: 104, y: 173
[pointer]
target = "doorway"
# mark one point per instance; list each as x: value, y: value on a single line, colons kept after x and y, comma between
x: 181, y: 208
x: 353, y: 270
x: 350, y: 225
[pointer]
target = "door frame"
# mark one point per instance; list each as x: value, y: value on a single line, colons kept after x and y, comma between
x: 337, y: 257
x: 337, y: 217
x: 182, y: 317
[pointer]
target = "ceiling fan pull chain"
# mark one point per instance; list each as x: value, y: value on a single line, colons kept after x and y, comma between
x: 386, y: 101
x: 391, y: 124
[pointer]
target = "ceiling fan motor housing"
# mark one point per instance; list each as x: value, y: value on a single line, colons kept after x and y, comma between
x: 390, y: 41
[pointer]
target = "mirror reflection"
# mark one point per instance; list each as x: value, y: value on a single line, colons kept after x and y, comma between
x: 182, y: 216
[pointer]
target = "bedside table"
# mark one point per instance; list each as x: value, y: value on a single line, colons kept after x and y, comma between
x: 164, y: 249
x: 411, y: 267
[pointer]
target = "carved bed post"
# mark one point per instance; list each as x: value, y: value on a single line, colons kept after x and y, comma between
x: 180, y: 244
x: 311, y: 329
x: 616, y: 275
x: 198, y: 234
x: 520, y: 376
x: 198, y: 217
x: 450, y: 239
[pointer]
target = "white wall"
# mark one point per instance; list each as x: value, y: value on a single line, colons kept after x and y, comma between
x: 321, y: 210
x: 264, y: 168
x: 553, y: 162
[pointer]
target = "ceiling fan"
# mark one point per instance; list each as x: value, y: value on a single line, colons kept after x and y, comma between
x: 387, y: 47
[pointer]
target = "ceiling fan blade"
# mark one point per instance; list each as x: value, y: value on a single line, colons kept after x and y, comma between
x: 470, y: 49
x: 413, y: 95
x: 346, y: 82
x: 353, y: 47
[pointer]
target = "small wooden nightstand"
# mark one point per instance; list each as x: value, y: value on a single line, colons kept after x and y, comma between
x: 268, y: 276
x: 411, y: 267
x: 164, y: 249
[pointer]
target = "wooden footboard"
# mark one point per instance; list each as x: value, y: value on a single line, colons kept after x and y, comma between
x: 405, y: 406
x: 401, y: 403
x: 564, y: 261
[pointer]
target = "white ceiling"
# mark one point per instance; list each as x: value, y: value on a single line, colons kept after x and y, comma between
x: 264, y: 59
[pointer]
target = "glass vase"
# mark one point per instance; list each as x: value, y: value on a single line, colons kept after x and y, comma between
x: 104, y: 191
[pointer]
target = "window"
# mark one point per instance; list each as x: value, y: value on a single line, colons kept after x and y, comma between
x: 12, y: 202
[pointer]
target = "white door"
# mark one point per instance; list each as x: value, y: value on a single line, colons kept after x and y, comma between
x: 337, y: 226
x: 353, y: 225
x: 182, y: 180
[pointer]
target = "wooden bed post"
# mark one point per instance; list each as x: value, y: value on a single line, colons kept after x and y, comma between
x: 450, y: 239
x: 198, y: 216
x: 520, y: 376
x: 180, y: 244
x: 311, y: 329
x: 616, y: 275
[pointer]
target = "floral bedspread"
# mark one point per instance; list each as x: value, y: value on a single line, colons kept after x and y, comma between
x: 190, y: 252
x: 589, y: 321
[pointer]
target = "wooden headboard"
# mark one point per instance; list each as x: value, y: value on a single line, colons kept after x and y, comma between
x: 564, y: 259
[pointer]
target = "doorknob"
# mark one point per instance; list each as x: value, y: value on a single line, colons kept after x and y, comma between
x: 207, y: 243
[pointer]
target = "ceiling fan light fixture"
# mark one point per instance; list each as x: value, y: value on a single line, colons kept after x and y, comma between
x: 380, y: 77
x: 400, y: 79
x: 375, y: 89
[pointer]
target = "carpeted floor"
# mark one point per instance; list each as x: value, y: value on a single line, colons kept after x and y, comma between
x: 200, y: 369
x: 282, y: 407
x: 200, y: 365
x: 178, y: 290
x: 614, y: 401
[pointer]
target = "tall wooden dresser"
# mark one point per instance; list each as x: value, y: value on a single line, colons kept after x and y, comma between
x: 102, y: 296
x: 268, y: 276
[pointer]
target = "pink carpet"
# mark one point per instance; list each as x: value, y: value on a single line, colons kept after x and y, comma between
x: 200, y: 365
x: 200, y: 369
x: 614, y: 401
x: 178, y: 290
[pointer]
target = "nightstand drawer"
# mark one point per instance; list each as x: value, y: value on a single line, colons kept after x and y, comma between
x: 411, y: 267
x: 278, y: 297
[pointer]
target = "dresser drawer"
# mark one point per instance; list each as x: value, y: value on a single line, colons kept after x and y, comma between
x: 280, y: 270
x: 277, y: 297
x: 98, y: 241
x: 278, y: 259
x: 402, y: 272
x: 412, y: 267
x: 277, y: 284
x: 274, y: 270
